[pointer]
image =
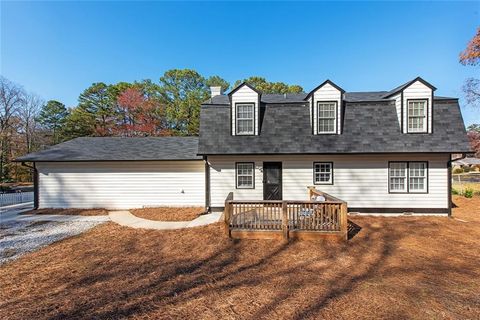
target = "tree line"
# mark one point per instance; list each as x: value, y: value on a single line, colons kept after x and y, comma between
x: 168, y: 107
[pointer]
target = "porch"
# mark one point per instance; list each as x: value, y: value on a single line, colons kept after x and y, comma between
x: 287, y: 219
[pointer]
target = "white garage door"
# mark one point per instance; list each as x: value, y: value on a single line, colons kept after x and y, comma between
x: 131, y: 184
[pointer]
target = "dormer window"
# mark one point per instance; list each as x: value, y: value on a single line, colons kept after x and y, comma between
x: 327, y: 117
x: 245, y: 119
x: 417, y: 116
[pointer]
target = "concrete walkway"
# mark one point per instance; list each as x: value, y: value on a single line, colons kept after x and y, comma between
x: 125, y: 218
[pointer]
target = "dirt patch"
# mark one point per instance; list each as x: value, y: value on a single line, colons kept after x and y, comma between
x: 168, y: 213
x: 393, y: 268
x: 69, y: 212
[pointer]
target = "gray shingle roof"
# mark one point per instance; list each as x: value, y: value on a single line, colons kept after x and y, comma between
x: 118, y: 149
x: 368, y: 128
x: 300, y: 98
x: 468, y: 161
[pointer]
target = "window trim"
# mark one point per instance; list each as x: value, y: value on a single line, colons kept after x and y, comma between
x: 427, y: 167
x: 236, y: 119
x: 426, y: 116
x: 331, y: 173
x: 253, y: 175
x: 335, y: 103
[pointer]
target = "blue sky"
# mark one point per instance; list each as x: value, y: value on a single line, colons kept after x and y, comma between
x: 57, y: 49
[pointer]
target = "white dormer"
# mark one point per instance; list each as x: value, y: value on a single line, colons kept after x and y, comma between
x: 414, y: 105
x: 326, y: 103
x: 245, y: 110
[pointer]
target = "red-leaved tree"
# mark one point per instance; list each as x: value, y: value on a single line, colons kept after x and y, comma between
x: 141, y: 115
x: 474, y: 138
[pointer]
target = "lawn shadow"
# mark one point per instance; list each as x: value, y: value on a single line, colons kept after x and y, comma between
x: 200, y: 273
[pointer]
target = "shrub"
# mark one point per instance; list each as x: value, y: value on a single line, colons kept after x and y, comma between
x: 457, y: 170
x: 466, y: 169
x: 468, y: 193
x: 455, y: 191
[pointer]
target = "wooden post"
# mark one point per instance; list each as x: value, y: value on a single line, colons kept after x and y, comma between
x: 227, y: 213
x: 344, y: 220
x: 285, y: 220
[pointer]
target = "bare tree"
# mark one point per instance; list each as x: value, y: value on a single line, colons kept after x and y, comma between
x: 471, y: 88
x: 11, y: 98
x: 28, y: 113
x: 471, y: 57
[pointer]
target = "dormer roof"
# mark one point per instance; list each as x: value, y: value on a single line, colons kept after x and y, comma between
x: 405, y: 85
x: 321, y: 85
x: 241, y: 85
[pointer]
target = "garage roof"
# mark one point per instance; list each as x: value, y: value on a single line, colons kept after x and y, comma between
x: 118, y: 149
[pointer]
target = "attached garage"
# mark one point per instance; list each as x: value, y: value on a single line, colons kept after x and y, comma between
x: 120, y: 173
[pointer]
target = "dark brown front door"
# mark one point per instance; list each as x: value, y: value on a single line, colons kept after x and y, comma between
x: 272, y: 181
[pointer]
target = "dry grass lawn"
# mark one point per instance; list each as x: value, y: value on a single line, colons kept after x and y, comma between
x: 393, y: 268
x: 461, y: 187
x: 80, y: 212
x: 168, y: 213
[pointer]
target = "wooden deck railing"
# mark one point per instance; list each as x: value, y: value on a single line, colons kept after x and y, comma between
x: 286, y: 219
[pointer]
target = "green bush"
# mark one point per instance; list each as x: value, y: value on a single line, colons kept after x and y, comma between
x: 455, y: 191
x: 457, y: 170
x: 468, y: 193
x: 466, y: 169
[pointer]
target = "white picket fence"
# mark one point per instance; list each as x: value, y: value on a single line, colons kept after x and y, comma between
x: 8, y: 199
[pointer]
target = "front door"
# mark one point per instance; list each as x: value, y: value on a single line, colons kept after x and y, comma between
x: 272, y: 181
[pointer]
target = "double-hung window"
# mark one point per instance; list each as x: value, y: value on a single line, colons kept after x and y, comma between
x: 327, y: 117
x: 408, y: 177
x: 323, y: 173
x: 245, y: 118
x: 417, y: 177
x: 417, y: 116
x: 398, y: 177
x: 245, y: 175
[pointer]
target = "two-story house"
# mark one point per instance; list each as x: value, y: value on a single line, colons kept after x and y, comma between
x: 382, y: 152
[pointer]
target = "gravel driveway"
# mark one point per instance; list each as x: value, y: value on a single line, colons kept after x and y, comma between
x: 20, y: 237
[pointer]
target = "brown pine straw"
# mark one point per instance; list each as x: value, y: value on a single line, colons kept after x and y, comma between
x: 168, y: 213
x: 393, y: 268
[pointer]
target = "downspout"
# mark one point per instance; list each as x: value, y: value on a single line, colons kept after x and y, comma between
x: 449, y: 168
x: 208, y: 207
x: 35, y: 184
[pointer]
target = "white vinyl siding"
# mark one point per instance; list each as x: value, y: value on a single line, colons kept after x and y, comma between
x: 361, y: 180
x: 245, y: 175
x: 327, y: 116
x: 418, y: 91
x: 417, y: 116
x: 322, y: 172
x: 245, y: 119
x: 398, y: 108
x: 326, y: 93
x: 121, y: 185
x: 242, y: 96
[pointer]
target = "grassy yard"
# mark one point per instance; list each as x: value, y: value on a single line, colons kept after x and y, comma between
x: 406, y: 267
